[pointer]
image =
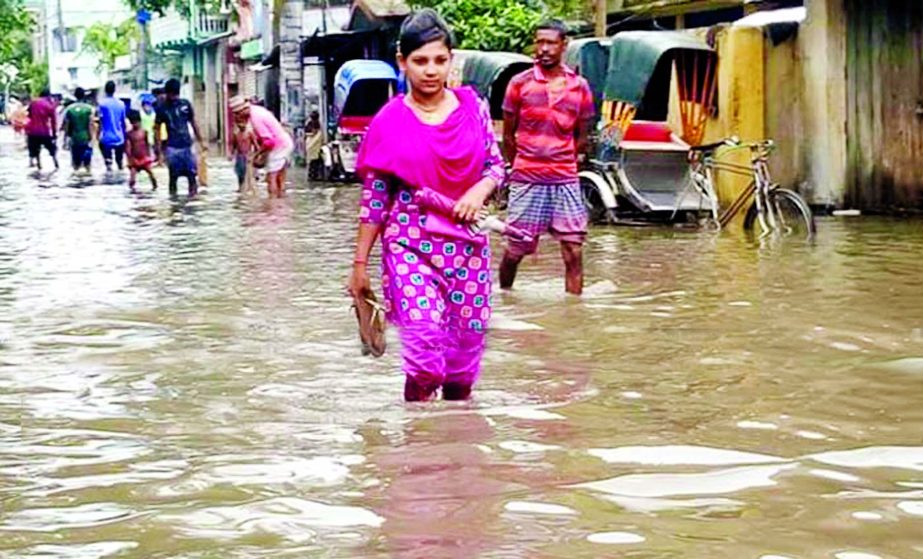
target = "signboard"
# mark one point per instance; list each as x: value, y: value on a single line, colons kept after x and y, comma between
x: 251, y: 49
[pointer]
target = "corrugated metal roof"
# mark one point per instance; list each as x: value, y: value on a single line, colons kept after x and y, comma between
x: 666, y: 7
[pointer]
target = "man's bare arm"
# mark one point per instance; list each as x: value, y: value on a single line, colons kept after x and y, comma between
x: 510, y: 124
x: 195, y: 130
x: 581, y: 135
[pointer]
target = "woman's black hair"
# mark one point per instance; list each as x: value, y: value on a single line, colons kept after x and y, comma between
x: 423, y: 27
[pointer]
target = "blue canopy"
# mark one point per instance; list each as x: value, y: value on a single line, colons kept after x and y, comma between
x: 356, y: 71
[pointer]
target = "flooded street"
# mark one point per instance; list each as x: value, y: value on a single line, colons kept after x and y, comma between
x: 183, y: 379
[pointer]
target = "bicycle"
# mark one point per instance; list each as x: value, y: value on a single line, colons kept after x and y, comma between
x: 775, y: 209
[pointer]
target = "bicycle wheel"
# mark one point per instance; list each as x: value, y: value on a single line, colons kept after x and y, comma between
x: 793, y: 215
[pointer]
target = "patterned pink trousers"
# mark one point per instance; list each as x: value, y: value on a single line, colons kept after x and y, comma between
x: 435, y: 356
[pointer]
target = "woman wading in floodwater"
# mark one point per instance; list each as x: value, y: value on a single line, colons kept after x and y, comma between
x: 436, y: 286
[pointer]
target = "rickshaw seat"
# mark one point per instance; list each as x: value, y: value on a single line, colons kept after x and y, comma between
x: 651, y: 136
x: 648, y: 131
x: 354, y: 124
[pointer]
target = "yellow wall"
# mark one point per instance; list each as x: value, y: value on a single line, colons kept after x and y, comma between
x: 740, y: 102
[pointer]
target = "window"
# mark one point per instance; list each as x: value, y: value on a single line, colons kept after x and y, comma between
x: 69, y: 40
x: 73, y: 74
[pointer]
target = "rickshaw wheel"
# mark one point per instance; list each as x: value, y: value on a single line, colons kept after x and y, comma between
x: 595, y: 208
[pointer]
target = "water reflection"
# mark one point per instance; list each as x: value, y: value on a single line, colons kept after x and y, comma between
x: 438, y: 490
x: 180, y: 378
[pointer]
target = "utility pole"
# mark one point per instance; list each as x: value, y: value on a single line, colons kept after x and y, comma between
x: 62, y: 31
x: 143, y: 17
x: 601, y: 13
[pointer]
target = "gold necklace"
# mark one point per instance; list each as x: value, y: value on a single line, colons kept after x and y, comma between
x: 424, y: 108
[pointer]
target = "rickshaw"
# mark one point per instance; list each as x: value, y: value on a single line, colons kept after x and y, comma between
x: 589, y: 57
x: 489, y: 73
x: 361, y: 89
x: 640, y: 167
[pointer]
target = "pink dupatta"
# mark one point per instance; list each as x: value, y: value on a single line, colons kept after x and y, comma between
x: 448, y: 158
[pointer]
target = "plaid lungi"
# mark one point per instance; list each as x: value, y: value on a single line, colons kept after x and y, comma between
x: 557, y: 209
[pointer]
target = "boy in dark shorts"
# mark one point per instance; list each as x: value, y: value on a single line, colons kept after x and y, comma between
x: 42, y: 129
x: 241, y: 147
x: 178, y: 116
x: 140, y: 155
x: 78, y: 126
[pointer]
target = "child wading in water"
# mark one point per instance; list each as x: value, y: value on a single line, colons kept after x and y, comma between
x: 241, y: 147
x: 140, y: 155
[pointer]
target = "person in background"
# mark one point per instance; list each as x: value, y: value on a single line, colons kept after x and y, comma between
x: 177, y: 115
x: 546, y: 116
x: 60, y: 108
x: 242, y: 142
x: 112, y: 128
x: 42, y: 130
x: 159, y: 98
x: 18, y: 114
x: 78, y: 127
x: 437, y: 287
x: 148, y: 117
x: 275, y: 145
x: 140, y: 153
x: 312, y: 144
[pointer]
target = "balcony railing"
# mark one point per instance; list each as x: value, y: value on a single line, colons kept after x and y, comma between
x: 210, y: 25
x: 173, y: 30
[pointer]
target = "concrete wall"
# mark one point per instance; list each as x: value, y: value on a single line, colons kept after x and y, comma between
x: 784, y: 113
x: 290, y: 64
x: 822, y: 48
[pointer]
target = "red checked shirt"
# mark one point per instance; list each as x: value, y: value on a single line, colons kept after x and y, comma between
x: 545, y: 144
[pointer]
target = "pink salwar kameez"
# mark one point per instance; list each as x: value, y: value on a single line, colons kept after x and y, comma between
x: 436, y: 288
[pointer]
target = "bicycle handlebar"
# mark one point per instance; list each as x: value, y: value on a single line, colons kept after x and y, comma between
x: 764, y: 146
x: 732, y: 141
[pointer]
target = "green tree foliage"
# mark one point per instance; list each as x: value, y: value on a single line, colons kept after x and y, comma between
x: 570, y: 9
x: 14, y: 20
x: 16, y: 26
x: 109, y: 42
x: 489, y: 24
x: 501, y: 24
x: 33, y: 79
x: 32, y: 75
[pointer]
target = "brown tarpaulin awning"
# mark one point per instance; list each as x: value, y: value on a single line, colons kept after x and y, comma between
x: 382, y: 8
x: 372, y: 14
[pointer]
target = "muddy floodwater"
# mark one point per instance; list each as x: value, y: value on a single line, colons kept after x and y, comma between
x: 183, y: 379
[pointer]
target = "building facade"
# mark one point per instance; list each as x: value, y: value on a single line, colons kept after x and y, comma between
x: 62, y: 28
x: 201, y: 40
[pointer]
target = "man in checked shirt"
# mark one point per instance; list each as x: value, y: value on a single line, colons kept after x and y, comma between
x: 547, y: 113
